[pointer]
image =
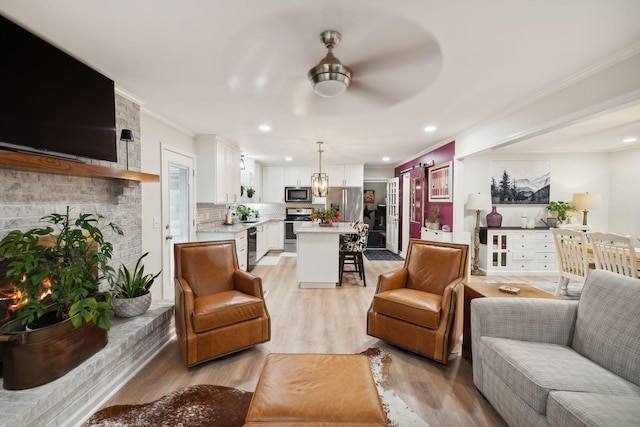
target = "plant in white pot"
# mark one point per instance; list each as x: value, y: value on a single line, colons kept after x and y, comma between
x: 131, y: 294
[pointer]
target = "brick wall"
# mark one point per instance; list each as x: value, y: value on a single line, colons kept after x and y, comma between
x: 26, y: 196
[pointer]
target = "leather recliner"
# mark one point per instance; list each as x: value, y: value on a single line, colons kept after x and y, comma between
x: 414, y: 307
x: 220, y: 309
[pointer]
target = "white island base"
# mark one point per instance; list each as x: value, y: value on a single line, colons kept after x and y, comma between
x: 318, y: 254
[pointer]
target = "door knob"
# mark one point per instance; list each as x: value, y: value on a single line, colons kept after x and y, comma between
x: 169, y: 237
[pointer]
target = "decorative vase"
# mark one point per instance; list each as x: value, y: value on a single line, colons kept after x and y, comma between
x: 325, y: 224
x: 494, y: 219
x: 130, y: 307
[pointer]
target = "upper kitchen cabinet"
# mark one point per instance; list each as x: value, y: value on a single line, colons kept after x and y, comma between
x: 273, y: 184
x: 297, y: 176
x: 346, y: 175
x: 217, y: 171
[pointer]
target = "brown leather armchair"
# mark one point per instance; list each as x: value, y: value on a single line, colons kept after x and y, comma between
x: 414, y: 307
x: 220, y: 309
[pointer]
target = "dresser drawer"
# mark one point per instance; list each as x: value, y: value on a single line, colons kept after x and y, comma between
x: 545, y: 247
x: 544, y: 235
x: 546, y: 256
x: 521, y: 265
x: 546, y: 266
x: 522, y: 255
x: 523, y: 245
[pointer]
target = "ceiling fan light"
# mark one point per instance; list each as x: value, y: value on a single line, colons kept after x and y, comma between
x: 329, y: 88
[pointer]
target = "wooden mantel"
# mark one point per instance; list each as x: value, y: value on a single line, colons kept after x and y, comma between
x: 67, y: 167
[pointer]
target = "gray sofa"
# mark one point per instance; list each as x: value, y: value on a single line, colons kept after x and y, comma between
x: 562, y: 363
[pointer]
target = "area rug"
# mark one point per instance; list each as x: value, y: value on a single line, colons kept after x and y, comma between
x: 574, y: 288
x: 382, y: 255
x: 209, y: 405
x: 269, y: 260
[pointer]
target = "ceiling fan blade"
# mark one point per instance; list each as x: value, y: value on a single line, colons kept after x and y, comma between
x: 419, y: 54
x: 376, y: 94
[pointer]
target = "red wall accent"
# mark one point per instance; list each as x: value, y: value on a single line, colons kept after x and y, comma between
x: 440, y: 155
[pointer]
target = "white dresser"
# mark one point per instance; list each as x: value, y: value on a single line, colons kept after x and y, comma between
x: 518, y: 251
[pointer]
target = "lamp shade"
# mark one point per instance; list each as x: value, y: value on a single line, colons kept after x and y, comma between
x: 478, y: 201
x: 587, y: 201
x: 126, y: 135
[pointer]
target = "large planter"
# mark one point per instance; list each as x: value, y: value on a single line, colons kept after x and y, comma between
x: 130, y: 307
x: 34, y: 358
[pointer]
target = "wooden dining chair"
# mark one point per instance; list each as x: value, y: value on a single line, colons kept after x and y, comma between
x: 573, y: 258
x: 615, y: 253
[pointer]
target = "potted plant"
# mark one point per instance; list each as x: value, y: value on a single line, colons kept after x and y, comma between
x: 58, y: 269
x: 433, y: 218
x: 131, y: 295
x: 561, y: 211
x: 250, y: 192
x: 326, y: 217
x: 244, y: 211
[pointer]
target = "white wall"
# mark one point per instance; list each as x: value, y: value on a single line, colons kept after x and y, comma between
x: 153, y: 133
x: 378, y: 174
x: 570, y: 173
x: 624, y: 192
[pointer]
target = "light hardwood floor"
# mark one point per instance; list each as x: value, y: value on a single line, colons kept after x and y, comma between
x: 325, y: 321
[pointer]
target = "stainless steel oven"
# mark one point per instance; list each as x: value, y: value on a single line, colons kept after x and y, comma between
x: 293, y: 220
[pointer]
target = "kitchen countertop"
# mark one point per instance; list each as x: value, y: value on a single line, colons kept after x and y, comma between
x: 336, y: 228
x: 234, y: 228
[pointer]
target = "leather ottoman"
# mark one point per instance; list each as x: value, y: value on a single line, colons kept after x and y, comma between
x: 314, y: 390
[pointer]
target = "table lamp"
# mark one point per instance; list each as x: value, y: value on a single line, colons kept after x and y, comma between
x: 477, y: 202
x: 586, y: 201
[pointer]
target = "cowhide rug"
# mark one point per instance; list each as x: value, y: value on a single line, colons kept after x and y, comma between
x: 217, y: 406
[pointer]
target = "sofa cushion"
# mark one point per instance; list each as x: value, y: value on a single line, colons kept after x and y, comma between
x: 608, y: 323
x: 572, y: 409
x: 225, y: 308
x: 534, y: 369
x: 418, y: 307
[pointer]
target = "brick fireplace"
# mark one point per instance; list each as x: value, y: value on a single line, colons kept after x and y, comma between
x: 27, y: 195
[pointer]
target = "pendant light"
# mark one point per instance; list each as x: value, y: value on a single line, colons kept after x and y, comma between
x: 320, y: 181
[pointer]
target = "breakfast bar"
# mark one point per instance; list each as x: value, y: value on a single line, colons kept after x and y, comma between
x: 318, y: 253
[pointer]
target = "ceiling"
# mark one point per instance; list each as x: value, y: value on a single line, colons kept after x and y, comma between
x: 227, y: 67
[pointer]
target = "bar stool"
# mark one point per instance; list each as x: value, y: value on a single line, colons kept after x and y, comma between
x: 352, y: 247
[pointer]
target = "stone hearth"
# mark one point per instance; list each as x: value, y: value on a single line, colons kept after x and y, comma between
x: 71, y: 399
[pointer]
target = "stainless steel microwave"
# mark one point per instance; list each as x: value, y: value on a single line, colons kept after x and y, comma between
x: 297, y: 194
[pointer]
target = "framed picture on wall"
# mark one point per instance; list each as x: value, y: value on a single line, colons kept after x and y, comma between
x: 440, y: 182
x: 369, y: 196
x: 520, y: 182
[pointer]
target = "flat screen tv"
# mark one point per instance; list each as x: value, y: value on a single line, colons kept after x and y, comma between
x: 52, y: 102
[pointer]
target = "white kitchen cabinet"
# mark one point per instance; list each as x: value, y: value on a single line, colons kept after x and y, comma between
x: 297, y: 176
x: 273, y: 184
x: 276, y: 235
x: 217, y: 171
x: 262, y: 240
x: 346, y: 175
x: 518, y: 251
x: 240, y: 237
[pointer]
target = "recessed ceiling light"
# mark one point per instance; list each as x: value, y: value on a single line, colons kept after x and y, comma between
x: 288, y: 158
x: 265, y: 128
x: 430, y: 128
x: 385, y: 159
x: 629, y: 140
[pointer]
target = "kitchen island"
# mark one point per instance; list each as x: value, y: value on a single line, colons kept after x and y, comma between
x: 318, y: 254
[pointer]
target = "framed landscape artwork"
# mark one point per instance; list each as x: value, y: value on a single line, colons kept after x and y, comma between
x: 520, y: 182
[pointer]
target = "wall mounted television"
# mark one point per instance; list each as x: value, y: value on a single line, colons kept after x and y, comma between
x: 50, y: 101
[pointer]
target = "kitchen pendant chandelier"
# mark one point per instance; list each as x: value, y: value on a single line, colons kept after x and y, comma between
x: 319, y: 181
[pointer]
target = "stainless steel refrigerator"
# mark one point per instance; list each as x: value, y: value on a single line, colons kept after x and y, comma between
x: 347, y: 201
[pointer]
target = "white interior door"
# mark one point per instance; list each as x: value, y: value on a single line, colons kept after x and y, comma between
x: 178, y: 210
x: 406, y: 217
x: 392, y: 214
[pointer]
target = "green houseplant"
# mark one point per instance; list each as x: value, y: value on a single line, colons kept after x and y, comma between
x: 433, y: 218
x: 131, y: 293
x: 66, y: 259
x: 561, y: 210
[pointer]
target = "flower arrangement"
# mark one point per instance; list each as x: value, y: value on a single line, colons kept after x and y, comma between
x: 326, y: 215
